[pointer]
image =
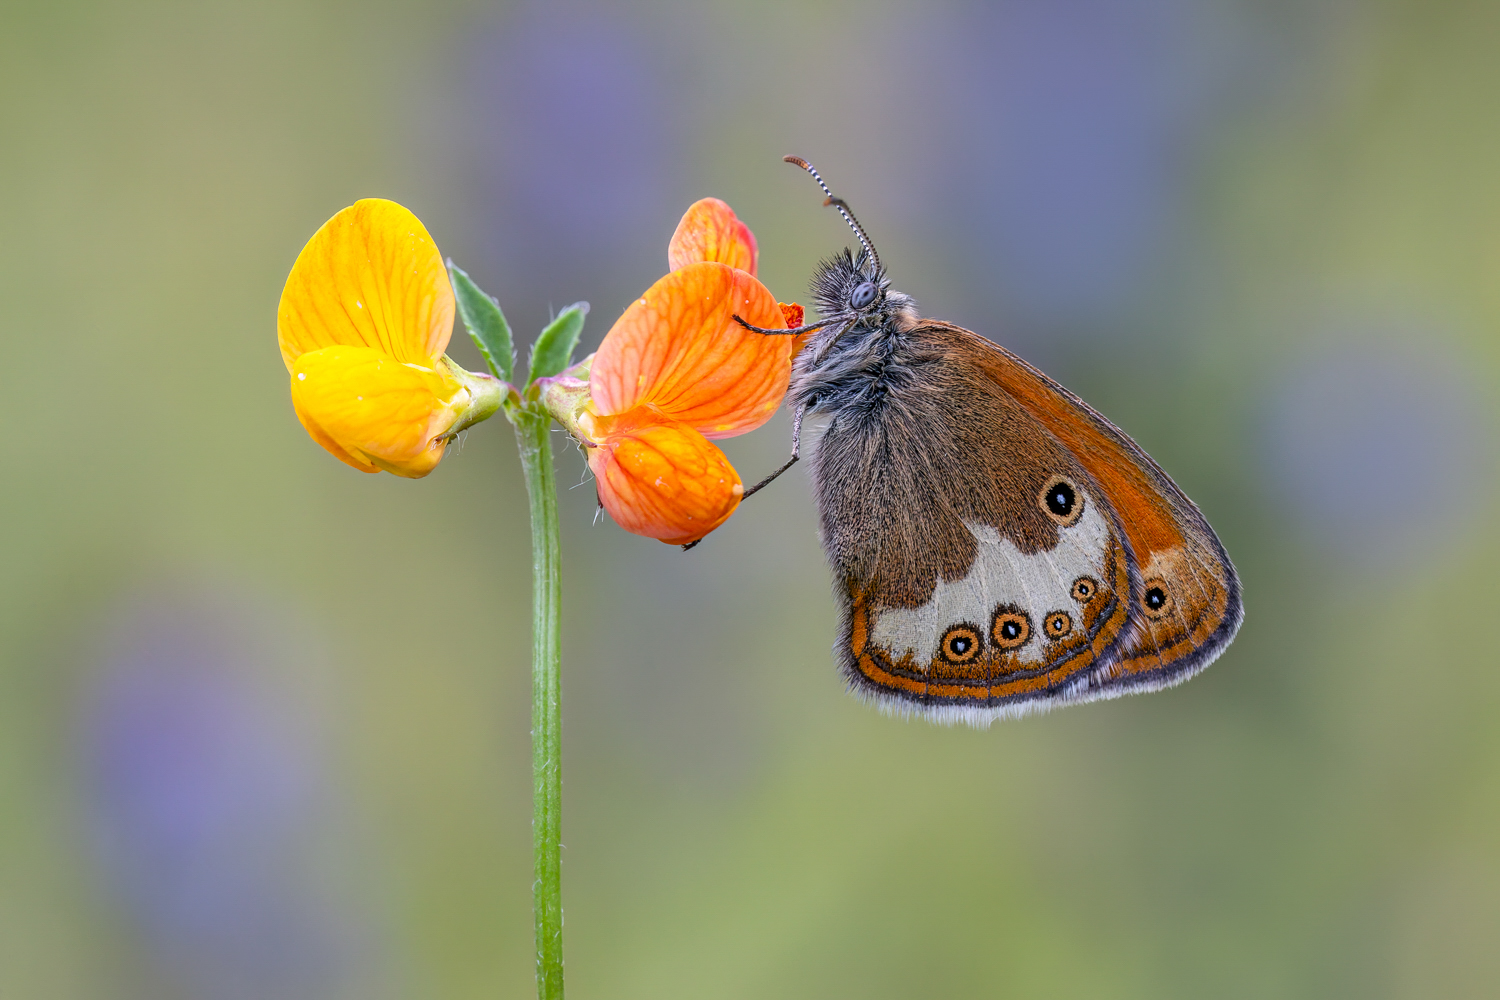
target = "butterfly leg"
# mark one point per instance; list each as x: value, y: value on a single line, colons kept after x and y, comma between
x: 796, y: 453
x: 809, y: 328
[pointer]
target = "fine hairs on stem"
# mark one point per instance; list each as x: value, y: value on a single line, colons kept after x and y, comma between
x: 534, y: 439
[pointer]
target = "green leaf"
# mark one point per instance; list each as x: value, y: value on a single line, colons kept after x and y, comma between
x: 553, y: 350
x: 485, y: 322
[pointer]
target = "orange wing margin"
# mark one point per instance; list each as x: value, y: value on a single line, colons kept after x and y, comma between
x: 1187, y: 601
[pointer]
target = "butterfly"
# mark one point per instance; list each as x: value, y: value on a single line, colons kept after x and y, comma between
x: 998, y: 547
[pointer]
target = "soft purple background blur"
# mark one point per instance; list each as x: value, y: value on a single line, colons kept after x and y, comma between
x: 264, y: 722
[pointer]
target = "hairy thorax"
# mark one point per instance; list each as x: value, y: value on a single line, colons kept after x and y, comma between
x: 843, y: 366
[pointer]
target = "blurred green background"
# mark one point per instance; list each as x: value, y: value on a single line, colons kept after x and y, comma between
x: 264, y: 720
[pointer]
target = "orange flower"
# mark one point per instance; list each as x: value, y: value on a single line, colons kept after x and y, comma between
x: 677, y: 370
x: 709, y: 230
x: 364, y: 320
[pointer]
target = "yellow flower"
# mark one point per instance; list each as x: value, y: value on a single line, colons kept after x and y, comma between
x: 364, y: 320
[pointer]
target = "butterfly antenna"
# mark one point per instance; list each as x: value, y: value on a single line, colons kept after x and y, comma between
x: 843, y: 208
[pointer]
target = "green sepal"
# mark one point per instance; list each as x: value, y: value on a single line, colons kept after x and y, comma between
x: 486, y: 395
x: 486, y: 323
x: 564, y: 397
x: 553, y: 350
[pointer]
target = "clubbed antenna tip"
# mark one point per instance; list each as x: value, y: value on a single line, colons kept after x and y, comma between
x: 839, y: 204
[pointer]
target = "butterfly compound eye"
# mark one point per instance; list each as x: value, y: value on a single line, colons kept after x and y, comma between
x: 863, y: 296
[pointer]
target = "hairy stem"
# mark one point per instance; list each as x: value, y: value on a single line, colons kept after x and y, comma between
x: 532, y: 433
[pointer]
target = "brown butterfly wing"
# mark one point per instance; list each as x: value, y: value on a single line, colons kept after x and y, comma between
x: 965, y: 596
x: 1187, y: 603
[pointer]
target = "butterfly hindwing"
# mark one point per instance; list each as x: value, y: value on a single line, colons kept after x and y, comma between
x: 1001, y: 548
x: 981, y: 568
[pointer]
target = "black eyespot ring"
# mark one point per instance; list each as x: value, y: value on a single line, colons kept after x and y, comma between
x: 961, y: 644
x: 1011, y: 628
x: 1156, y: 598
x: 863, y: 296
x: 1057, y: 624
x: 1061, y: 501
x: 1084, y: 589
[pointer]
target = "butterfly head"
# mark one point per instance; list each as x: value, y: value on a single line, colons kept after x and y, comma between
x: 852, y: 291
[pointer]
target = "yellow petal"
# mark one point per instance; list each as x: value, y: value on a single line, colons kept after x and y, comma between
x: 371, y: 277
x: 373, y: 412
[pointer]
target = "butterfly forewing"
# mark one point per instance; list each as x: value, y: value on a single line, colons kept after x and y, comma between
x: 982, y: 568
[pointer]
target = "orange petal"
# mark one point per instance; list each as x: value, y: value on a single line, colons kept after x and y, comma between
x: 371, y: 277
x: 791, y: 314
x: 373, y: 412
x: 664, y: 480
x: 678, y: 349
x: 709, y: 230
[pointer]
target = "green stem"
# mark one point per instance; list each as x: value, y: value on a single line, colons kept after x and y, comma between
x: 532, y: 433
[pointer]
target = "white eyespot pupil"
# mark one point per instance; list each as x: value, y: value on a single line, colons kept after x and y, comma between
x: 1060, y: 499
